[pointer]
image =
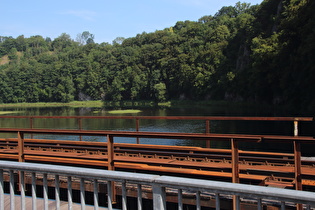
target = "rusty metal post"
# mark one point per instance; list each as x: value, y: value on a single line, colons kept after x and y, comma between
x: 208, y: 145
x: 111, y: 166
x: 21, y: 176
x: 31, y: 125
x: 296, y: 128
x: 110, y: 152
x: 297, y: 169
x: 21, y: 147
x: 235, y: 159
x: 137, y: 129
x: 80, y: 126
x: 235, y: 170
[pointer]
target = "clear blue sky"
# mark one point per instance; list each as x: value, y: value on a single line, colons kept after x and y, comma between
x: 106, y: 19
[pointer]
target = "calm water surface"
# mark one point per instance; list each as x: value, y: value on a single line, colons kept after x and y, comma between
x: 239, y: 127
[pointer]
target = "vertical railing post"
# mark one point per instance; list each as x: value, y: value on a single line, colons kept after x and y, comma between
x: 20, y: 155
x: 22, y: 189
x: 180, y: 199
x: 208, y: 145
x: 34, y: 197
x: 80, y: 126
x: 57, y: 192
x: 21, y: 146
x: 45, y: 191
x: 235, y: 170
x: 137, y: 129
x: 110, y: 152
x: 159, y: 197
x: 235, y: 160
x: 31, y: 126
x: 296, y: 128
x: 95, y: 193
x: 1, y: 190
x: 139, y: 196
x: 11, y: 186
x: 297, y: 168
x: 111, y: 163
x: 69, y: 192
x: 124, y: 195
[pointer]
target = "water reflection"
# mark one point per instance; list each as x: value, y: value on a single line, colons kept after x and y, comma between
x: 192, y: 126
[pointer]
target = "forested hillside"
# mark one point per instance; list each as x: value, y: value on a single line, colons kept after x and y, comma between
x: 258, y: 53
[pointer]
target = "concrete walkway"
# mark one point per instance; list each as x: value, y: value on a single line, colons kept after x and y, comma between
x: 40, y: 204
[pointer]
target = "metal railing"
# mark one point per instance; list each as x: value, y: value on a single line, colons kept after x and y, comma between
x: 159, y: 186
x: 234, y: 139
x: 137, y: 119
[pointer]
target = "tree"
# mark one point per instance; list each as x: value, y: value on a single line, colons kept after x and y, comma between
x: 160, y: 92
x: 85, y: 38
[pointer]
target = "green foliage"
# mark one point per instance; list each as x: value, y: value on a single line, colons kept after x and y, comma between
x: 261, y: 53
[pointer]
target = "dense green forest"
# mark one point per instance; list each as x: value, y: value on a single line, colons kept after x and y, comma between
x: 254, y: 53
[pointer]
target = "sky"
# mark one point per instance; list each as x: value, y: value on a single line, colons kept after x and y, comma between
x: 105, y: 19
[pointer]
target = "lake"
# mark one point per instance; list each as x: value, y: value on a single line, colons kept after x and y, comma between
x: 235, y: 127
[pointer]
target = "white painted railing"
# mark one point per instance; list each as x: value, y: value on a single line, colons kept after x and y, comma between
x: 216, y: 190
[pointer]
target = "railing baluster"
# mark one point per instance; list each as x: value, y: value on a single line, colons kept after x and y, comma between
x: 82, y: 193
x: 159, y: 197
x: 69, y: 193
x: 22, y: 188
x: 1, y: 190
x: 198, y: 204
x: 259, y: 204
x: 217, y: 201
x: 180, y: 199
x: 12, y: 195
x: 57, y: 192
x: 95, y: 193
x: 139, y: 197
x: 282, y: 205
x: 45, y: 188
x: 34, y: 204
x: 237, y: 203
x: 110, y: 195
x: 124, y: 195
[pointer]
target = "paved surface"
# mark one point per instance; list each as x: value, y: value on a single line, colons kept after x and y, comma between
x: 40, y: 204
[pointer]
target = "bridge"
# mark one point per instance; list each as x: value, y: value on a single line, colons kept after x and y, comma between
x: 282, y: 170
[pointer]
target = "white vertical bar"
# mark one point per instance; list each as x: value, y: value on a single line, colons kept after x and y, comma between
x: 296, y: 128
x: 159, y: 197
x: 69, y: 193
x: 45, y: 188
x: 198, y: 205
x: 139, y: 197
x: 217, y: 201
x: 12, y: 200
x: 82, y: 193
x: 109, y: 195
x: 34, y: 205
x: 22, y: 187
x: 124, y: 195
x: 259, y: 204
x: 180, y: 199
x: 95, y: 186
x: 57, y: 192
x: 1, y: 190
